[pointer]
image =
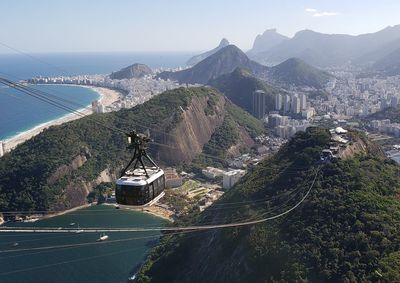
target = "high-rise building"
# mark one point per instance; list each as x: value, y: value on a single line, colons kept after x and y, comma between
x: 95, y: 104
x: 303, y: 101
x: 278, y: 102
x: 286, y: 103
x: 295, y: 104
x: 394, y: 101
x: 259, y: 104
x: 2, y: 150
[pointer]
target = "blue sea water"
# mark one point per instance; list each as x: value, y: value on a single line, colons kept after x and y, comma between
x: 27, y: 66
x: 19, y: 112
x: 71, y: 257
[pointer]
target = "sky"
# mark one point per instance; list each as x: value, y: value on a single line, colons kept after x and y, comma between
x: 41, y: 26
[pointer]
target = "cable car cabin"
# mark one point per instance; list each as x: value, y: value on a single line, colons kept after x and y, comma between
x: 136, y: 187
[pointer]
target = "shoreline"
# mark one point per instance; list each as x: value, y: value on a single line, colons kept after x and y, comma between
x: 107, y: 97
x: 152, y: 210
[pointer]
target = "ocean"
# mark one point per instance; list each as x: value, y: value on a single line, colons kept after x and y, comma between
x: 19, y: 112
x: 35, y: 259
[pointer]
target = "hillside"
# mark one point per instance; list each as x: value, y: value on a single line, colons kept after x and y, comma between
x: 296, y: 72
x: 389, y: 64
x: 346, y: 230
x: 197, y: 58
x: 225, y: 61
x: 57, y: 168
x: 132, y: 71
x: 239, y: 86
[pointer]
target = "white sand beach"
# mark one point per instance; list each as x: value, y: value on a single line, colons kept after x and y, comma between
x: 108, y: 96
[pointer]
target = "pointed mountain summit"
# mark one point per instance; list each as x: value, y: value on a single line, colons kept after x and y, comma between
x: 222, y: 62
x: 197, y: 58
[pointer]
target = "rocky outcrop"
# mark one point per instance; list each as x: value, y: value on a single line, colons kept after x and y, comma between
x: 75, y: 193
x: 65, y: 170
x: 193, y: 131
x: 132, y: 71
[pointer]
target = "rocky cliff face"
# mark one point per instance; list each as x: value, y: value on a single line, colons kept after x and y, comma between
x: 194, y: 130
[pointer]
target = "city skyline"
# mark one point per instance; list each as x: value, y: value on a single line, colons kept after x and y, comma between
x: 96, y: 26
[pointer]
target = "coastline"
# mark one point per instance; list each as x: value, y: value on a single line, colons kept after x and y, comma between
x: 107, y: 97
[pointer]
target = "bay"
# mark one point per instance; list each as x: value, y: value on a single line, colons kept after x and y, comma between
x: 85, y: 260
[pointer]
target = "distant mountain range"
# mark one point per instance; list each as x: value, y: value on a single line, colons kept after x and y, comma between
x: 326, y: 50
x: 269, y: 39
x: 133, y: 71
x: 229, y: 58
x: 196, y: 59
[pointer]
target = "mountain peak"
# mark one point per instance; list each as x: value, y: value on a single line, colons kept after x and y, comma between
x: 224, y: 42
x: 263, y: 42
x: 197, y: 58
x: 224, y: 61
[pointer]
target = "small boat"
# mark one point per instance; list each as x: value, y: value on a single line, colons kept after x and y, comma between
x: 132, y: 278
x: 102, y: 238
x: 15, y: 244
x: 79, y: 230
x: 72, y: 224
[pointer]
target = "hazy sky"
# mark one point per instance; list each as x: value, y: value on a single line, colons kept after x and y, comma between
x: 177, y: 25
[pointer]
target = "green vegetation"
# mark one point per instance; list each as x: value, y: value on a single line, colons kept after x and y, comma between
x: 100, y: 191
x: 347, y: 230
x: 297, y: 72
x: 239, y: 86
x: 40, y: 173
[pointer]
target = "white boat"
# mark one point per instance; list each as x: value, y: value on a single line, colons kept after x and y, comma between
x: 79, y: 230
x: 72, y: 224
x: 132, y: 278
x: 102, y: 238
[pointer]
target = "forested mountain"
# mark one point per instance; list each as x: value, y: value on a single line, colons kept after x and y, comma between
x: 57, y: 168
x: 225, y: 61
x: 239, y: 86
x: 229, y: 58
x: 133, y: 71
x: 346, y: 230
x: 296, y: 72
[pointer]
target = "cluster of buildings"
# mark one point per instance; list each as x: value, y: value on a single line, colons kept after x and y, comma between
x: 284, y: 126
x: 385, y: 126
x: 357, y: 97
x: 135, y: 91
x: 229, y: 177
x: 294, y: 104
